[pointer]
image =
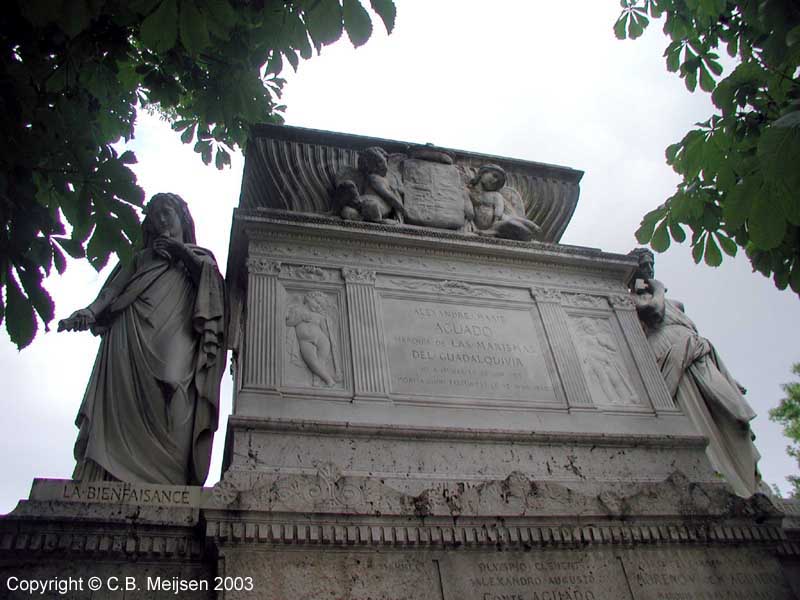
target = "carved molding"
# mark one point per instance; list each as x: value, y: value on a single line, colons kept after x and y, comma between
x: 291, y: 246
x: 459, y: 288
x: 364, y: 276
x: 494, y: 534
x: 541, y: 294
x: 621, y: 302
x: 263, y: 266
x: 329, y: 491
x: 304, y: 272
x: 585, y: 301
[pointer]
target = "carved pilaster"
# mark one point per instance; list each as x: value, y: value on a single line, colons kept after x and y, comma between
x: 261, y: 342
x: 369, y: 370
x: 567, y: 361
x: 643, y: 356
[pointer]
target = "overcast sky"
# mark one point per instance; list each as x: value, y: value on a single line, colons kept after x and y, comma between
x: 540, y: 81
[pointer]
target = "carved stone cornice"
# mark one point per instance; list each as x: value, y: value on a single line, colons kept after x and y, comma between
x: 363, y: 276
x: 261, y: 265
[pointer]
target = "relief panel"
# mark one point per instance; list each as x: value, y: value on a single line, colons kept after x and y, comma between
x: 602, y: 362
x: 314, y: 339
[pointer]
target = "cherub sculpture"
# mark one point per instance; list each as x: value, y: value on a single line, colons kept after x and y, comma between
x: 314, y: 334
x: 497, y: 209
x: 369, y: 193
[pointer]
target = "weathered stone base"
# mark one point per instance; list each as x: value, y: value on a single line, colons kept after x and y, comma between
x: 671, y: 540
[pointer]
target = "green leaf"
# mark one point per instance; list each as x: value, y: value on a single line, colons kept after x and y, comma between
x: 159, y: 31
x: 38, y: 296
x: 59, y: 260
x: 75, y: 17
x: 73, y: 247
x: 645, y: 231
x: 128, y: 158
x: 188, y: 134
x: 739, y: 201
x: 728, y: 245
x: 660, y: 241
x: 677, y: 232
x: 386, y: 11
x: 324, y: 22
x: 767, y: 224
x: 20, y: 321
x: 356, y: 22
x: 706, y: 80
x: 713, y: 256
x: 794, y: 279
x: 193, y: 27
x: 697, y: 250
x: 620, y: 26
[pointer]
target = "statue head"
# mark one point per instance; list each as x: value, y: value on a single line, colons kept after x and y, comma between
x: 646, y: 260
x: 153, y: 229
x: 373, y: 160
x: 492, y: 177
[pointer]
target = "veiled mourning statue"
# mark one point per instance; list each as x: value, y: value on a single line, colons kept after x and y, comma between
x: 152, y: 403
x: 697, y: 379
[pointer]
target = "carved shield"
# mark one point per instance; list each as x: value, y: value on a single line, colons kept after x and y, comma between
x: 434, y: 194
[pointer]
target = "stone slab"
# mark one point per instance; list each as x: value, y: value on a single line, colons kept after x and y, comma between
x: 698, y: 573
x: 705, y: 574
x: 354, y: 575
x: 459, y: 349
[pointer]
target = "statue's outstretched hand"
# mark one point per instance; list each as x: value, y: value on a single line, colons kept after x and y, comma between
x: 80, y: 320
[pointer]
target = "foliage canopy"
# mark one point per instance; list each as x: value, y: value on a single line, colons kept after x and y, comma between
x: 787, y: 413
x: 73, y: 74
x: 740, y: 168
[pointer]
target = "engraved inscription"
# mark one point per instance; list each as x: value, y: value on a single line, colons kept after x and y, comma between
x: 351, y: 575
x: 545, y: 576
x: 125, y: 493
x: 461, y: 350
x: 721, y: 574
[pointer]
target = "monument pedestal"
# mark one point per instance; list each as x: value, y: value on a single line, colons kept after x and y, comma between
x: 424, y: 413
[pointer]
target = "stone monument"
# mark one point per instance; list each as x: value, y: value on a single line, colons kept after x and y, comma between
x: 434, y: 399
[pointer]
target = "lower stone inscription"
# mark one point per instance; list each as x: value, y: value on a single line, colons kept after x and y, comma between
x: 542, y: 576
x: 334, y: 575
x: 705, y: 574
x: 461, y: 350
x: 115, y: 492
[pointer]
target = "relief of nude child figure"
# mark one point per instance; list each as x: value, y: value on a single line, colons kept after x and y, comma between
x: 312, y: 328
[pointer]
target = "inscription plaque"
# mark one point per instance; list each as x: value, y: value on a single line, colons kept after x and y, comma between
x: 464, y: 350
x: 705, y: 574
x: 541, y: 576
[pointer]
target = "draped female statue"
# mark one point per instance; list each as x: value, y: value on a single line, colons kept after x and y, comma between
x: 152, y: 403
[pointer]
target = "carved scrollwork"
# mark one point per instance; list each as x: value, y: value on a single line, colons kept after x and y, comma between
x: 541, y: 294
x: 263, y: 266
x: 359, y: 276
x: 585, y: 301
x: 459, y: 288
x: 621, y: 301
x: 304, y: 272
